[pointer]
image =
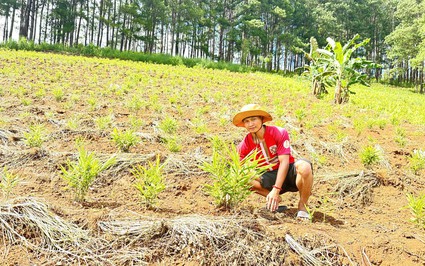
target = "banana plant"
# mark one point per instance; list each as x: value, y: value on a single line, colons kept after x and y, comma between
x: 342, y: 70
x: 317, y: 72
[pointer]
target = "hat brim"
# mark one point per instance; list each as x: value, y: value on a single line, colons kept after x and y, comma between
x: 239, y: 117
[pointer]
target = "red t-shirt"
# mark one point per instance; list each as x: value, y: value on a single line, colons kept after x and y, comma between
x: 277, y: 143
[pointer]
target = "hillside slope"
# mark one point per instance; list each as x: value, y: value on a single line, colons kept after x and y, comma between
x: 359, y: 213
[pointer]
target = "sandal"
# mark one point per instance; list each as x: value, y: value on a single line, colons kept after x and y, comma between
x: 303, y: 215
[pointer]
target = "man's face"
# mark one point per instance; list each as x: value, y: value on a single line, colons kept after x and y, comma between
x: 253, y: 123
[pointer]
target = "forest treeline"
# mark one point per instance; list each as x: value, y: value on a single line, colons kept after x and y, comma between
x: 268, y: 34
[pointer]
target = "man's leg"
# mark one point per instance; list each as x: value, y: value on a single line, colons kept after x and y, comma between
x: 304, y: 182
x: 257, y: 188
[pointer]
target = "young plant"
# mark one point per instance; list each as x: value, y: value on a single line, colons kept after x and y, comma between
x: 149, y: 181
x: 200, y: 126
x: 327, y: 207
x: 58, y: 94
x: 73, y: 123
x: 417, y: 161
x: 103, y: 122
x: 8, y: 182
x: 417, y: 209
x: 93, y: 102
x: 370, y: 155
x: 135, y: 122
x: 36, y: 136
x: 310, y: 212
x: 135, y: 104
x: 231, y: 176
x: 400, y: 137
x: 124, y: 140
x: 26, y: 101
x: 81, y: 174
x: 168, y: 125
x: 173, y: 144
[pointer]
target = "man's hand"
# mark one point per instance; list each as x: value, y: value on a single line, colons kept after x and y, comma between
x: 273, y: 200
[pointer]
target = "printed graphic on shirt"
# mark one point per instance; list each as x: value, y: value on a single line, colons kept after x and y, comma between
x: 286, y: 144
x: 273, y: 149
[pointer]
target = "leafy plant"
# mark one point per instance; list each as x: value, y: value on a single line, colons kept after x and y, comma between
x: 334, y: 65
x: 135, y: 104
x: 35, y: 136
x: 103, y: 122
x: 81, y: 174
x: 417, y: 161
x: 200, y: 126
x: 8, y: 182
x: 135, y: 122
x: 327, y: 207
x: 400, y: 137
x: 26, y: 101
x: 168, y: 125
x: 310, y: 212
x: 173, y: 144
x: 92, y: 101
x: 73, y: 122
x: 417, y: 209
x: 370, y: 155
x: 149, y: 181
x: 316, y: 72
x: 124, y: 140
x: 58, y: 94
x: 231, y: 176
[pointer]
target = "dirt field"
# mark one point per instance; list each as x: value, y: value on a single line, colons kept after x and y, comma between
x: 360, y: 215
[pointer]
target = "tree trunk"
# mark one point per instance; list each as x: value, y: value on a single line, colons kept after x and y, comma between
x: 12, y: 23
x: 41, y: 21
x: 162, y: 39
x: 46, y: 23
x: 77, y: 37
x: 338, y: 92
x: 100, y: 29
x: 6, y: 27
x: 86, y: 36
x: 33, y: 19
x: 92, y: 28
x: 24, y: 21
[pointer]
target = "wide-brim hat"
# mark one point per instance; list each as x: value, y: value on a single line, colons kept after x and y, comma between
x: 248, y: 111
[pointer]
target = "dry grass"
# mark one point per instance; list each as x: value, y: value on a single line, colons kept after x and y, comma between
x: 357, y: 189
x: 204, y: 240
x: 27, y: 222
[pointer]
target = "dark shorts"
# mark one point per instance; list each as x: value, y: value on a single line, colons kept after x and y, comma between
x: 268, y: 179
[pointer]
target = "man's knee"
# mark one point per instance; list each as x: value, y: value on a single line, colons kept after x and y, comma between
x: 304, y: 169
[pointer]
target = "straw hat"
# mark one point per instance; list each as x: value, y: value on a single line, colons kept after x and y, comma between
x: 250, y: 110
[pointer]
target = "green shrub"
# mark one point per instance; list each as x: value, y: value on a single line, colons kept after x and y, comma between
x: 400, y: 137
x: 168, y: 125
x: 173, y: 144
x: 58, y: 94
x: 103, y: 122
x: 417, y: 161
x: 81, y: 174
x: 8, y: 182
x: 124, y: 140
x: 417, y: 209
x: 370, y: 155
x: 35, y: 136
x: 231, y: 176
x: 149, y: 181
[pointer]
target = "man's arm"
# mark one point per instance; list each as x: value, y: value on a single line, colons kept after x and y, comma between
x: 273, y: 197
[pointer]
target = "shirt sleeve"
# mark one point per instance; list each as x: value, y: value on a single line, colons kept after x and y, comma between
x: 242, y: 149
x: 283, y: 142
